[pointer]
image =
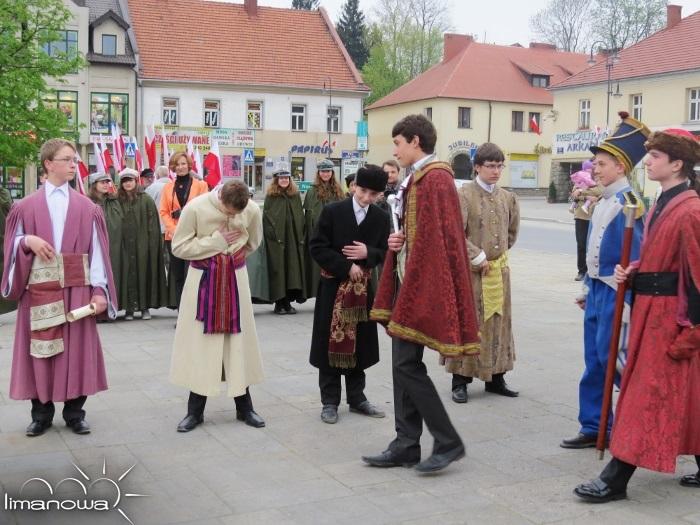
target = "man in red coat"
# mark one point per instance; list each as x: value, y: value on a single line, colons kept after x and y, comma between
x: 424, y: 298
x: 658, y: 412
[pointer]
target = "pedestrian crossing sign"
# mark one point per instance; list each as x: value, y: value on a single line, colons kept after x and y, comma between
x: 248, y: 156
x: 130, y: 150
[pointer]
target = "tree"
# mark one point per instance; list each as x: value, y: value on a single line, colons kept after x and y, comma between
x: 565, y: 24
x: 405, y: 40
x: 28, y: 28
x: 309, y: 5
x: 351, y: 29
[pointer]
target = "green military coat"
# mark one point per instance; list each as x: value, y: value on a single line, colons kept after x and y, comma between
x: 312, y: 211
x: 114, y: 217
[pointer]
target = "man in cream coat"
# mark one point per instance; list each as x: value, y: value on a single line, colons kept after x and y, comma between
x: 215, y: 338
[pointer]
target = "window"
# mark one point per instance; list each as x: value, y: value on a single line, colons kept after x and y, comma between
x: 67, y: 43
x: 428, y: 112
x: 464, y: 117
x: 67, y: 103
x: 211, y: 113
x: 298, y: 117
x: 109, y: 45
x: 694, y: 103
x: 584, y: 114
x: 107, y: 109
x: 170, y: 111
x: 255, y: 117
x: 333, y: 121
x: 298, y: 168
x: 517, y: 121
x: 636, y: 103
x: 541, y: 81
x: 537, y: 122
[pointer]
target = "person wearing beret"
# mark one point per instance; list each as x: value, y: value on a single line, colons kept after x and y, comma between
x: 349, y: 241
x: 142, y: 281
x: 615, y: 158
x: 325, y: 189
x: 658, y: 410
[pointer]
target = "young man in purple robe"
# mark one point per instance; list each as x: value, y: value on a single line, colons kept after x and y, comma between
x: 56, y: 266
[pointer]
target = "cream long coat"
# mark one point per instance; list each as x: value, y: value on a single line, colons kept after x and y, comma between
x: 198, y: 357
x: 491, y: 222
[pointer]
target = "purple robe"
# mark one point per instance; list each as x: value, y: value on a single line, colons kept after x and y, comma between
x: 79, y: 370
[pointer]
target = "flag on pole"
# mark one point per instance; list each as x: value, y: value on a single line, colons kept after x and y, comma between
x: 198, y: 160
x: 137, y: 155
x: 190, y: 154
x: 118, y: 146
x: 99, y: 160
x: 106, y: 156
x: 534, y: 126
x: 213, y: 163
x: 149, y: 142
x: 82, y: 173
x: 166, y: 154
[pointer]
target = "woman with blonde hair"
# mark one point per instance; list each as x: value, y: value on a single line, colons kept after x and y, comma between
x: 283, y: 228
x: 326, y: 189
x: 174, y: 196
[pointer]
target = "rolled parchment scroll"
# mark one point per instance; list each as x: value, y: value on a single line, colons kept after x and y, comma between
x: 79, y: 313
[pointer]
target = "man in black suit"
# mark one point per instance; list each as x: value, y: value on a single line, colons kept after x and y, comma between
x: 350, y: 240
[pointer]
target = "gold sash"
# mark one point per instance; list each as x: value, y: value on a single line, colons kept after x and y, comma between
x: 492, y: 287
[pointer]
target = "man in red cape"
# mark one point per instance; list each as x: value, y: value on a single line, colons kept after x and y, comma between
x: 658, y: 411
x: 424, y: 298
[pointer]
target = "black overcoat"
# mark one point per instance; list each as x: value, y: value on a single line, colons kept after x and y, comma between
x: 337, y: 227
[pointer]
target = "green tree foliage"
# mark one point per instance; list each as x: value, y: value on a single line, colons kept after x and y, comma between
x: 27, y: 27
x: 309, y: 5
x: 405, y: 40
x: 351, y: 29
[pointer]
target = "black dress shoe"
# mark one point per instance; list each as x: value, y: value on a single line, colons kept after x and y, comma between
x: 37, y: 428
x: 500, y: 388
x: 279, y: 309
x: 289, y: 309
x: 597, y: 491
x: 459, y: 394
x: 189, y: 423
x: 329, y: 414
x: 388, y: 459
x: 691, y: 480
x: 368, y: 409
x: 251, y: 419
x: 79, y: 426
x: 579, y: 277
x: 438, y: 462
x: 579, y: 441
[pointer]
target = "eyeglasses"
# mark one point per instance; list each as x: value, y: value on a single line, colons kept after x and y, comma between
x: 492, y: 166
x: 74, y: 160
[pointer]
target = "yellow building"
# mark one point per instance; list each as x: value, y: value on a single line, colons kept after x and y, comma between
x: 656, y: 81
x: 482, y: 93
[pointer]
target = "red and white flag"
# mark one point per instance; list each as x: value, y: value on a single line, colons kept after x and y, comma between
x: 118, y: 146
x: 190, y: 154
x: 197, y: 159
x: 149, y: 142
x: 82, y: 174
x: 213, y: 163
x: 534, y: 126
x: 106, y: 156
x: 137, y: 155
x: 166, y: 154
x: 99, y: 160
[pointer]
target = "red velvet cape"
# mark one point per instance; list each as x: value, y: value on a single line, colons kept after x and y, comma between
x: 434, y: 306
x: 658, y: 411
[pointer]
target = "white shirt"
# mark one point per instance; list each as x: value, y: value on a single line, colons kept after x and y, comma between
x: 409, y: 176
x: 360, y: 212
x: 487, y: 187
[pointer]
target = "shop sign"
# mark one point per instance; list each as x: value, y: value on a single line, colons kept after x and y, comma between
x: 578, y: 141
x: 350, y: 154
x: 305, y: 149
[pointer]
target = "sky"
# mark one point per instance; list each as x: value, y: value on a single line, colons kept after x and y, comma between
x: 479, y: 17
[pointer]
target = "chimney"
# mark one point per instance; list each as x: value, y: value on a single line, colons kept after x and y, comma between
x: 251, y: 7
x: 454, y: 45
x: 673, y: 15
x: 540, y: 45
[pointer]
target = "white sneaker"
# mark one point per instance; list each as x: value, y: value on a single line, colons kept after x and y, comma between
x: 145, y: 315
x: 129, y: 316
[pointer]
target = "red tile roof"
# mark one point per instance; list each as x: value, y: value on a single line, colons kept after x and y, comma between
x: 210, y: 41
x: 671, y: 50
x: 490, y: 72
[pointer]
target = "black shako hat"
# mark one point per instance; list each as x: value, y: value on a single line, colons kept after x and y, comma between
x: 371, y: 177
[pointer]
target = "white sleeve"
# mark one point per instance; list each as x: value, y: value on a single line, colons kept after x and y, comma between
x: 476, y: 261
x: 19, y: 235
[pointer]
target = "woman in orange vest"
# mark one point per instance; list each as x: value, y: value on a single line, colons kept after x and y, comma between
x: 174, y: 196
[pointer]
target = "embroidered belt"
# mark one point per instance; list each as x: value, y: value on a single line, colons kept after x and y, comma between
x: 492, y: 287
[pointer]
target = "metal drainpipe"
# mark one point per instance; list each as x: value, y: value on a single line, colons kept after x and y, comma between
x: 489, y: 132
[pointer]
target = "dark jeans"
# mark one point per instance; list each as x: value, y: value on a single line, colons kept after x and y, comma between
x: 415, y: 401
x: 196, y: 404
x: 72, y: 410
x: 329, y: 382
x: 581, y: 240
x: 177, y: 273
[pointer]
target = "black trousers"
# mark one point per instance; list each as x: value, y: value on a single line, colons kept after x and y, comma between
x: 617, y: 473
x: 177, y: 273
x: 196, y: 404
x: 416, y: 400
x: 329, y: 383
x: 72, y: 410
x: 581, y: 240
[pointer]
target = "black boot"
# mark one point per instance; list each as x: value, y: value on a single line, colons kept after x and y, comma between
x: 610, y: 486
x: 195, y: 413
x: 279, y: 307
x: 692, y: 480
x: 497, y: 385
x: 245, y: 412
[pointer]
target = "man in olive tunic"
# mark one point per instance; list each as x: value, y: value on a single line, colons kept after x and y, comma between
x: 491, y: 218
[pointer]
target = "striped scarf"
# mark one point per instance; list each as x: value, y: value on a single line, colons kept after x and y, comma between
x: 218, y: 304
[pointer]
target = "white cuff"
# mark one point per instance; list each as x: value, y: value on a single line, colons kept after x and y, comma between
x: 476, y: 261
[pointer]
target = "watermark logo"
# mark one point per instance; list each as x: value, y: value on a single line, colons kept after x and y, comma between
x: 82, y: 502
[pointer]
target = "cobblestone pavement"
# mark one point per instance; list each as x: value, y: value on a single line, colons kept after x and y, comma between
x: 300, y: 470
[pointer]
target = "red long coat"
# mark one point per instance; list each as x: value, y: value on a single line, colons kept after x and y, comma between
x: 658, y: 412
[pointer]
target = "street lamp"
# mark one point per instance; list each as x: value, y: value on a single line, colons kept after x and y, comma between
x: 328, y: 87
x: 610, y: 60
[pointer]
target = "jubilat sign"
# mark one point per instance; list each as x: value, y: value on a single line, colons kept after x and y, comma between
x: 577, y: 141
